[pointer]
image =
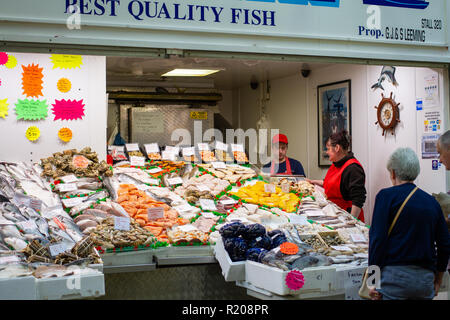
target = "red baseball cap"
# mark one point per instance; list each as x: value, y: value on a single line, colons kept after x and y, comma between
x: 279, y: 138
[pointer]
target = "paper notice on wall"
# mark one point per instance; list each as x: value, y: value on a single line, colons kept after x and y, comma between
x: 31, y: 109
x: 429, y: 146
x: 68, y: 110
x: 431, y: 98
x: 32, y: 83
x: 432, y: 122
x: 64, y: 61
x: 64, y: 85
x: 3, y: 108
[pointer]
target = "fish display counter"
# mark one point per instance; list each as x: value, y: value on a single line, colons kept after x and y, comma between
x: 71, y: 219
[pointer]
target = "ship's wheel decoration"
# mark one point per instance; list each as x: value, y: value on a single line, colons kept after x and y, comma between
x: 388, y: 114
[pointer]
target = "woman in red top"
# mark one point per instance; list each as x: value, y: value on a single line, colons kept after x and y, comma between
x: 344, y: 183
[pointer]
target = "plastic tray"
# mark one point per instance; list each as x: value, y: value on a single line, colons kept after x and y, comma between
x: 232, y: 271
x: 320, y: 279
x: 21, y: 288
x: 71, y: 287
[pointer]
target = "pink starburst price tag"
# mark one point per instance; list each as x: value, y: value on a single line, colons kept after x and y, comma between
x: 295, y: 280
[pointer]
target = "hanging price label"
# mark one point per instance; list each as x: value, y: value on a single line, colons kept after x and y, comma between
x: 208, y: 204
x: 137, y: 161
x: 122, y: 223
x: 155, y: 213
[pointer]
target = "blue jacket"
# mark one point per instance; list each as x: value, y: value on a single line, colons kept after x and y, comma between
x: 419, y: 237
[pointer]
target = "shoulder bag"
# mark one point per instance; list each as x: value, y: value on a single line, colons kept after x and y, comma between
x: 364, y: 290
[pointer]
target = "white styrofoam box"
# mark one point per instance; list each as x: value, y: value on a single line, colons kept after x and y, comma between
x: 20, y: 288
x: 232, y: 271
x: 319, y: 279
x: 71, y: 287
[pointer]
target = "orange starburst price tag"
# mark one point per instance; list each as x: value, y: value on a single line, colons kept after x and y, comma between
x: 65, y: 134
x: 289, y: 248
x: 64, y: 85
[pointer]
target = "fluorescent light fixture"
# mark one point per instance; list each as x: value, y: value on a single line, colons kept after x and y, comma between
x: 189, y: 73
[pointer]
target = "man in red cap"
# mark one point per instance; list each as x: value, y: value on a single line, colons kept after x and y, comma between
x: 281, y: 164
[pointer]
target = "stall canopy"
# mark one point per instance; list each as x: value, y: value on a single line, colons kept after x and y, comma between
x: 404, y: 30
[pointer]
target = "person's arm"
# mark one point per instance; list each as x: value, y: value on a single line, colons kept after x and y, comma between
x: 443, y: 248
x: 316, y: 182
x: 353, y: 187
x: 378, y: 234
x: 355, y: 211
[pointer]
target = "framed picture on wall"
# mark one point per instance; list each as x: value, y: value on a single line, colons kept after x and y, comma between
x: 333, y: 113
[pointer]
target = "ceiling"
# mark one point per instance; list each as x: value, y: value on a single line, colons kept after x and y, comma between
x: 146, y: 72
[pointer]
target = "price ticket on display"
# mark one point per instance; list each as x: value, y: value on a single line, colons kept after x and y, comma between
x: 151, y: 148
x: 270, y: 188
x: 168, y: 155
x: 187, y: 228
x: 202, y: 188
x: 70, y: 178
x: 137, y: 161
x: 221, y: 146
x: 72, y: 202
x: 208, y: 204
x: 188, y: 151
x: 209, y: 215
x: 174, y: 150
x: 66, y: 187
x: 203, y: 146
x: 155, y: 213
x: 358, y: 238
x: 175, y: 181
x: 154, y: 170
x: 219, y: 165
x: 9, y: 259
x: 229, y: 201
x: 341, y: 248
x: 132, y: 147
x: 122, y: 223
x: 237, y: 147
x: 57, y: 249
x: 24, y: 225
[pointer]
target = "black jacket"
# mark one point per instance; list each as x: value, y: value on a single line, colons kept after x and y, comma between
x: 352, y: 182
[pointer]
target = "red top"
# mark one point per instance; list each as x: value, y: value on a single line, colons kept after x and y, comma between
x: 332, y: 186
x: 288, y: 169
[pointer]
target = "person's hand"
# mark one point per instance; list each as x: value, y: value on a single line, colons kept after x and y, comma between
x: 374, y: 294
x: 437, y: 282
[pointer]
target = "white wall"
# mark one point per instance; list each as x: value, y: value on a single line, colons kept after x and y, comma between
x: 88, y: 83
x: 292, y: 108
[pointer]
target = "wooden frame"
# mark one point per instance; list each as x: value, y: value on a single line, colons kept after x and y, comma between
x: 333, y: 114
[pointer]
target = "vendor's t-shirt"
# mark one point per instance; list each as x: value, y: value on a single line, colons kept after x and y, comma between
x: 296, y: 168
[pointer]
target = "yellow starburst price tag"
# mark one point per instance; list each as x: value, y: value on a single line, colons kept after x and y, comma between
x: 65, y: 134
x: 4, y: 108
x: 33, y: 133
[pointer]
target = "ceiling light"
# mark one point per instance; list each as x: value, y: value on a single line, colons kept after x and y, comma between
x: 189, y: 73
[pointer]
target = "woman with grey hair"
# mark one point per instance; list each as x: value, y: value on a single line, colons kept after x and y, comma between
x: 443, y: 148
x: 409, y: 240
